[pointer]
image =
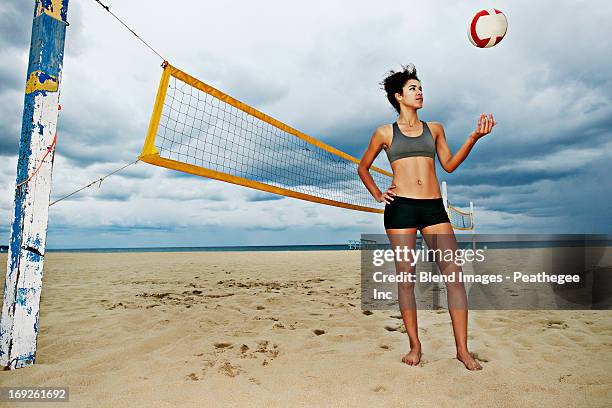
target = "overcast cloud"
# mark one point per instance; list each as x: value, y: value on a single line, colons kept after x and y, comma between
x: 316, y: 66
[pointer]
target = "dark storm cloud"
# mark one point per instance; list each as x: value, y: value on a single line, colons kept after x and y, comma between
x: 114, y: 228
x: 263, y: 196
x: 97, y: 135
x: 254, y: 86
x: 11, y: 79
x: 9, y: 139
x: 15, y: 23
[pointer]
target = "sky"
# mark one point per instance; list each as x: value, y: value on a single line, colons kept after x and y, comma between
x: 316, y: 66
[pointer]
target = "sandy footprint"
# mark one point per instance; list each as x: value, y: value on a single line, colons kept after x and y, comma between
x: 379, y: 388
x: 398, y: 328
x: 367, y: 312
x: 556, y: 324
x: 223, y: 345
x: 226, y: 368
x: 586, y: 379
x: 481, y: 357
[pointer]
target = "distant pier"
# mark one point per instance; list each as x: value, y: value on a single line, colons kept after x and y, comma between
x: 362, y: 244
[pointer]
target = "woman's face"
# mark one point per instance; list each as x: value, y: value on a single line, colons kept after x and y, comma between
x: 412, y: 94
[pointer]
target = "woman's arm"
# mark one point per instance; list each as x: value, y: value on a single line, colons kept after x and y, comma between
x: 375, y: 146
x: 450, y: 161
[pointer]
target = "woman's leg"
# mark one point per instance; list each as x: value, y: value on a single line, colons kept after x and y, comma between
x: 441, y: 237
x: 406, y: 237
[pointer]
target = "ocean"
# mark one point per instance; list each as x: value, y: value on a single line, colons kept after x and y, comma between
x: 338, y: 247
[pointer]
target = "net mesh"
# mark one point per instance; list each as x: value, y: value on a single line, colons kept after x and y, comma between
x: 460, y: 219
x: 199, y: 129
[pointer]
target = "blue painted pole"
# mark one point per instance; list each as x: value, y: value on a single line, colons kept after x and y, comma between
x: 23, y: 285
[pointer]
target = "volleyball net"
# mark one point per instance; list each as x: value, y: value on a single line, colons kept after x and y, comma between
x: 200, y: 130
x: 459, y: 219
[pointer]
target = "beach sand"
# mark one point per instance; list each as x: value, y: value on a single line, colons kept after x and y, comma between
x: 278, y: 329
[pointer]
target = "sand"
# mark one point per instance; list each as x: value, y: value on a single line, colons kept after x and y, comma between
x: 278, y: 329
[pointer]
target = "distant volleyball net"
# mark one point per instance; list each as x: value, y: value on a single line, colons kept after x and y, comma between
x: 197, y: 129
x: 460, y: 219
x: 200, y: 130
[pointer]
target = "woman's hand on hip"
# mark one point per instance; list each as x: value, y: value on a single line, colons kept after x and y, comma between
x: 387, y: 196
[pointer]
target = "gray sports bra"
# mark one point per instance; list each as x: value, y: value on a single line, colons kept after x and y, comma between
x: 411, y: 146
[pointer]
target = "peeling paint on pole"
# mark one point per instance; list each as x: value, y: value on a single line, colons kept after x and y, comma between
x: 22, y: 289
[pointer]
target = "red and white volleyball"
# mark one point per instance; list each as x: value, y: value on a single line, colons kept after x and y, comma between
x: 488, y: 28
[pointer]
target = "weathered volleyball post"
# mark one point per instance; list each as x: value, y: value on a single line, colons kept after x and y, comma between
x: 445, y: 196
x: 473, y: 226
x: 24, y: 272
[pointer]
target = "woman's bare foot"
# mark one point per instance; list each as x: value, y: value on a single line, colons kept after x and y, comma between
x: 414, y: 357
x: 468, y: 361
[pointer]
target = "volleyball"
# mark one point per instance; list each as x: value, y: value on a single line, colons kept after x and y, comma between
x: 487, y: 28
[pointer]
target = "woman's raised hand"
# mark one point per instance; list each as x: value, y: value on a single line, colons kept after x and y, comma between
x: 387, y: 196
x: 484, y: 126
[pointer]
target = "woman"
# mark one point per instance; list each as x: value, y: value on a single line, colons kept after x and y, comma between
x: 413, y: 201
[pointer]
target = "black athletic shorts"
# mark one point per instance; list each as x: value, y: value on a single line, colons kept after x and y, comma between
x: 404, y: 212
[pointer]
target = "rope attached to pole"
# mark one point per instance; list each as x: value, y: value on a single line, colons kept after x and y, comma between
x: 49, y: 150
x: 105, y: 7
x: 94, y: 182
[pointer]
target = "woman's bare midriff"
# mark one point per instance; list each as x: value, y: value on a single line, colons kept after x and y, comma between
x: 415, y: 177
